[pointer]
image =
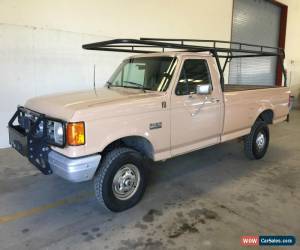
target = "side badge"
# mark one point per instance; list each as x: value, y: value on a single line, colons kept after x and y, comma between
x: 155, y: 125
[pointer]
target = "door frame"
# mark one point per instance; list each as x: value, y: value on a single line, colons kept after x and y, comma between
x: 178, y: 150
x: 282, y: 36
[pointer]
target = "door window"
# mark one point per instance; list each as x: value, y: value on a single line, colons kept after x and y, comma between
x: 194, y: 72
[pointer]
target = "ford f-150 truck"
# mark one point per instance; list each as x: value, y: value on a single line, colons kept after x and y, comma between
x: 156, y: 105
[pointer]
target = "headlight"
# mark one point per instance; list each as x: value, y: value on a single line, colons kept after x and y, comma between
x: 55, y: 133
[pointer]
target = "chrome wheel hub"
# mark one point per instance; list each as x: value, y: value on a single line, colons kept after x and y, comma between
x: 126, y: 182
x: 260, y: 141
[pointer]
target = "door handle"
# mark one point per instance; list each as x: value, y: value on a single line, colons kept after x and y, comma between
x: 198, y: 104
x: 214, y: 100
x: 207, y: 101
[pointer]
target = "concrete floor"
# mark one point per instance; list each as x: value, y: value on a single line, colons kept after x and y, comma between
x: 203, y: 200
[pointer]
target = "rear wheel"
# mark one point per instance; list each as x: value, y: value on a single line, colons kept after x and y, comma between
x: 257, y: 142
x: 121, y: 179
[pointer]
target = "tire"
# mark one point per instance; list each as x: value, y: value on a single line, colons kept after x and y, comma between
x: 257, y: 142
x: 121, y: 169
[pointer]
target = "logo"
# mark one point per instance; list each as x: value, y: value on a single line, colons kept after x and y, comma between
x: 155, y: 125
x: 249, y: 240
x: 277, y: 240
x: 268, y: 240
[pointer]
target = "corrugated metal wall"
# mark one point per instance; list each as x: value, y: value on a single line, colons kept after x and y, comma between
x: 255, y: 22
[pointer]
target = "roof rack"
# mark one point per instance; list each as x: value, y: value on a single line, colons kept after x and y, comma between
x: 218, y: 48
x: 152, y: 45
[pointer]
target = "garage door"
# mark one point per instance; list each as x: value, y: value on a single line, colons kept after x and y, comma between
x: 255, y: 22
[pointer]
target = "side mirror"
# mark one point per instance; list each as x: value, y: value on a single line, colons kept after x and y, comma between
x: 203, y: 89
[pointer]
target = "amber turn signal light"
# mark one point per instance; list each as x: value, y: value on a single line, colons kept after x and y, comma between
x: 75, y: 133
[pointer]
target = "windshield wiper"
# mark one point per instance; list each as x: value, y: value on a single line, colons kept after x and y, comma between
x: 140, y: 86
x: 133, y: 87
x: 134, y: 83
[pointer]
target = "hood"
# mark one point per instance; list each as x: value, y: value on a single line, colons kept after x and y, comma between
x: 64, y: 105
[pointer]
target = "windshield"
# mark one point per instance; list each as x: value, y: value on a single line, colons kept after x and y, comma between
x: 148, y: 73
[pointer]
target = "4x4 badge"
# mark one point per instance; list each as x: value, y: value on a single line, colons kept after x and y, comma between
x: 155, y: 125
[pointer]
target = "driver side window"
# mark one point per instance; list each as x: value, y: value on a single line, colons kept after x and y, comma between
x: 194, y: 72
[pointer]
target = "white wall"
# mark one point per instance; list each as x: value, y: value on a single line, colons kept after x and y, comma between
x: 37, y: 61
x: 40, y: 40
x: 123, y: 18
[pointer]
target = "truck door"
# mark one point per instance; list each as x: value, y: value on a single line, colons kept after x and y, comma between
x: 196, y: 120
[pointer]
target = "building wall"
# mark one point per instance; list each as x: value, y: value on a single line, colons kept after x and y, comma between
x: 292, y: 48
x: 119, y: 18
x: 41, y: 40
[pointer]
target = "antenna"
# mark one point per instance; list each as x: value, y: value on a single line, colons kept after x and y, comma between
x: 94, y: 80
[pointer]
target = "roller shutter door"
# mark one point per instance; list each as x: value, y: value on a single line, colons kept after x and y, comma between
x: 255, y: 22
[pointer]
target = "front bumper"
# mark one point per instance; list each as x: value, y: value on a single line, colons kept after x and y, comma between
x: 39, y: 153
x: 74, y: 169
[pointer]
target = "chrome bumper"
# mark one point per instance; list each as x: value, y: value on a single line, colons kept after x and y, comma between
x: 74, y: 169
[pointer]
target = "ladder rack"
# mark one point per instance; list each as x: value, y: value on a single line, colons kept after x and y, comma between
x: 218, y: 49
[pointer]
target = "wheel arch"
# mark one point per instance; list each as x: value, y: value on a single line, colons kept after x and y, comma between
x: 266, y: 115
x: 136, y: 142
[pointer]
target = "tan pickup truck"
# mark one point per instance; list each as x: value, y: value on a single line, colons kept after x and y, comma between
x: 155, y: 106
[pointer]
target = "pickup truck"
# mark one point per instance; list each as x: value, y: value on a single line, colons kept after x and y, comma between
x: 155, y: 106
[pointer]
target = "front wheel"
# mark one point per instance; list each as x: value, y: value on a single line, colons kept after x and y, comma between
x: 257, y: 142
x: 121, y: 179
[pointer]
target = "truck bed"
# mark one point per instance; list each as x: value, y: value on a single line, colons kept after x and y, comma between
x: 242, y: 107
x: 240, y: 87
